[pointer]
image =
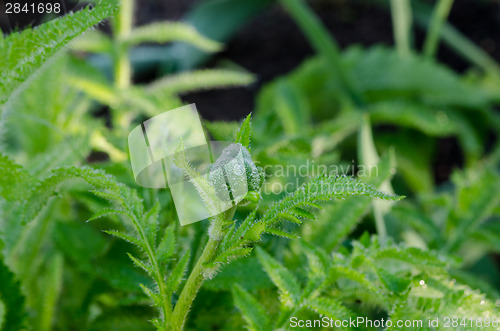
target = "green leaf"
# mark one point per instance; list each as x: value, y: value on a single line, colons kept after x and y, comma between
x: 329, y: 307
x: 280, y: 233
x: 393, y: 283
x: 128, y: 238
x: 105, y: 186
x: 25, y: 52
x: 155, y: 297
x: 382, y: 74
x: 53, y: 283
x: 475, y: 202
x: 345, y: 215
x: 245, y: 133
x: 413, y: 256
x: 287, y: 284
x: 144, y: 265
x: 199, y: 80
x: 253, y: 313
x: 321, y: 189
x: 305, y: 214
x: 149, y: 223
x: 254, y: 232
x: 93, y: 41
x: 292, y: 108
x: 13, y: 300
x: 166, y: 248
x: 164, y: 32
x: 106, y: 212
x: 228, y: 256
x: 14, y: 180
x: 175, y: 278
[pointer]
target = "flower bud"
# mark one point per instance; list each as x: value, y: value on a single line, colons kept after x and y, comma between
x: 233, y: 171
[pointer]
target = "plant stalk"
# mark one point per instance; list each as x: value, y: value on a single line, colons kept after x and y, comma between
x: 402, y: 23
x: 368, y: 156
x: 439, y: 16
x: 197, y: 277
x: 122, y: 29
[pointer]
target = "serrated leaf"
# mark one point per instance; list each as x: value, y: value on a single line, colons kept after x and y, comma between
x: 144, y: 265
x: 413, y: 256
x: 14, y: 180
x: 104, y: 185
x: 338, y: 272
x: 23, y: 53
x: 199, y: 80
x: 228, y: 256
x: 128, y: 238
x: 166, y: 248
x: 392, y: 282
x: 321, y: 189
x: 155, y: 297
x: 329, y: 307
x: 280, y: 233
x: 244, y: 133
x: 255, y: 231
x: 106, y: 212
x: 164, y: 32
x: 150, y: 223
x: 319, y: 262
x: 291, y: 218
x: 253, y: 313
x: 303, y: 213
x: 13, y: 299
x: 475, y: 202
x: 175, y: 278
x: 287, y: 284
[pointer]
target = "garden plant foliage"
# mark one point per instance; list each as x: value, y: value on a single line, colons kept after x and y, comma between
x: 83, y: 247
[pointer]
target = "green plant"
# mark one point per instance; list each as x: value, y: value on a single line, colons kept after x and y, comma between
x: 277, y: 258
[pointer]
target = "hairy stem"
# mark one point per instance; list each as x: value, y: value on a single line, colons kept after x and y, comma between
x: 122, y: 28
x: 439, y: 16
x: 197, y: 277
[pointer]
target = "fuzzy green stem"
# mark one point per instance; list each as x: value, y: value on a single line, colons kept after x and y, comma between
x: 122, y: 28
x: 402, y: 23
x: 197, y: 277
x: 439, y: 16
